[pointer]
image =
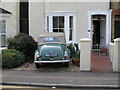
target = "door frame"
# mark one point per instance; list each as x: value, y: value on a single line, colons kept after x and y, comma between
x: 108, y: 24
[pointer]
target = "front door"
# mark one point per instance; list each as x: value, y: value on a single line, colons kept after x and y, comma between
x: 99, y: 31
x: 96, y: 32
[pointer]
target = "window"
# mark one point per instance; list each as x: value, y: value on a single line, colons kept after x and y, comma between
x: 71, y: 27
x: 2, y: 34
x: 62, y: 22
x: 117, y: 26
x: 58, y: 23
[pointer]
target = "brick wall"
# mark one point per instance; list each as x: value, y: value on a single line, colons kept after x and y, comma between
x: 115, y: 5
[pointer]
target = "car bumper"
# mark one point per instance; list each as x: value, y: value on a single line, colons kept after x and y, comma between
x: 58, y: 61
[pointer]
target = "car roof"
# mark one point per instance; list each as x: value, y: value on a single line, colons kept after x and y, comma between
x: 51, y: 34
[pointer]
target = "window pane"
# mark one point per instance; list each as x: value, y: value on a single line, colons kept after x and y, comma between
x: 2, y: 27
x: 55, y: 21
x: 117, y: 16
x: 61, y: 30
x: 3, y: 40
x: 70, y: 36
x: 61, y: 22
x: 71, y: 22
x: 55, y: 30
x: 117, y: 29
x: 47, y: 22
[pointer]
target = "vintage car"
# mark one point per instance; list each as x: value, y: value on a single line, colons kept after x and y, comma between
x: 52, y: 49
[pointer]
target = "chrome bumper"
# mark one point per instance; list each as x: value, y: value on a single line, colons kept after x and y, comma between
x: 58, y: 61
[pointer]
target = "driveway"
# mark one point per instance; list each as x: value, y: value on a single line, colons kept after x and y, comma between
x: 48, y: 67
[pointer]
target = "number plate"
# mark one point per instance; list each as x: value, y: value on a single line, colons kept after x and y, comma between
x: 51, y: 55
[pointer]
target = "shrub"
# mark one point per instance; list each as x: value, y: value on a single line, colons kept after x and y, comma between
x: 74, y: 50
x: 12, y: 58
x: 24, y: 43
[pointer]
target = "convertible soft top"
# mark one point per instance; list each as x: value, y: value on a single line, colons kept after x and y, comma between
x: 44, y: 38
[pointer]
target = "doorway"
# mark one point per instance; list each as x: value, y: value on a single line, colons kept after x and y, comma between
x: 98, y: 31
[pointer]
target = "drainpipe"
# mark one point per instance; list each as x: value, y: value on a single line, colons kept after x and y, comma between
x: 110, y: 4
x: 110, y: 24
x: 110, y: 13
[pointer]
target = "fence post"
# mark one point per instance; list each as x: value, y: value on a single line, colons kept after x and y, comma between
x: 85, y: 54
x: 116, y: 55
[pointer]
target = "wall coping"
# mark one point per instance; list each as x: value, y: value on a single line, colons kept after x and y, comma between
x: 117, y: 40
x: 85, y: 40
x: 110, y: 43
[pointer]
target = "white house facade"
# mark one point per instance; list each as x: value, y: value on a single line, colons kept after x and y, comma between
x: 76, y: 19
x: 9, y: 21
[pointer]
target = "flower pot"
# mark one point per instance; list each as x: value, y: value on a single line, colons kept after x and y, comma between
x: 76, y: 62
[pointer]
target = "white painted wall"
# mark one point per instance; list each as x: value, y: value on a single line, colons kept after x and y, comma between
x: 116, y: 55
x: 36, y: 19
x: 13, y: 20
x: 38, y: 10
x: 111, y: 50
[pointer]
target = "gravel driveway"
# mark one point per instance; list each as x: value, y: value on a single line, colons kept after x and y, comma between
x: 48, y: 67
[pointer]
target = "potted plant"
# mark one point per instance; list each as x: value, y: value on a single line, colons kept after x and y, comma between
x: 104, y: 50
x: 74, y: 53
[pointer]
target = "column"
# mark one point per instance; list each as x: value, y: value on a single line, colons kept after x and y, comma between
x: 85, y: 54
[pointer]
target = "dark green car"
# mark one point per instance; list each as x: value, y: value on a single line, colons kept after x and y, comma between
x: 52, y: 49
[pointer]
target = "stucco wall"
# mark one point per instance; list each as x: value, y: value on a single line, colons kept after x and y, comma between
x: 38, y: 10
x: 12, y: 27
x: 36, y: 19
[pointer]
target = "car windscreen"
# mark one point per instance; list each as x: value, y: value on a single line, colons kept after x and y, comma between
x: 51, y: 39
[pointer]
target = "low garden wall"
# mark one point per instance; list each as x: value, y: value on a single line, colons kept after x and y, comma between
x: 114, y: 53
x: 111, y: 50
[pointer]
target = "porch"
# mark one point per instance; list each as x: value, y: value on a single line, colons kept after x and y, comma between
x: 99, y: 61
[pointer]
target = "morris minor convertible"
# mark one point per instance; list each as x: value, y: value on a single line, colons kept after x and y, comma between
x: 52, y: 49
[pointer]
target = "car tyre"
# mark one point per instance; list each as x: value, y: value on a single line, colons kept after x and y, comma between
x: 66, y: 64
x: 37, y: 65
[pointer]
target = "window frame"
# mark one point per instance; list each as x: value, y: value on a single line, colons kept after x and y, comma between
x: 3, y: 34
x: 66, y: 24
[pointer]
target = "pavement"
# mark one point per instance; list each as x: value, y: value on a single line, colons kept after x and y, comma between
x: 64, y: 79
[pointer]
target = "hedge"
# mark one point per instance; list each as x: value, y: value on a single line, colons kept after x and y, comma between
x: 12, y: 58
x: 23, y: 43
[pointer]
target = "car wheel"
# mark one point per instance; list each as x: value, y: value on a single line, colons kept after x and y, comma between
x: 66, y: 64
x: 37, y: 65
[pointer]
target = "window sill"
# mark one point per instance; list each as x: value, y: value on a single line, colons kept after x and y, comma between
x: 1, y: 48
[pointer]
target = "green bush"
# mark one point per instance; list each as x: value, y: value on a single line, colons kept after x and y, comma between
x: 12, y: 58
x: 24, y: 43
x: 74, y: 50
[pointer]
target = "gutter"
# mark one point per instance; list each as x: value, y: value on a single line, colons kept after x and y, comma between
x: 62, y: 85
